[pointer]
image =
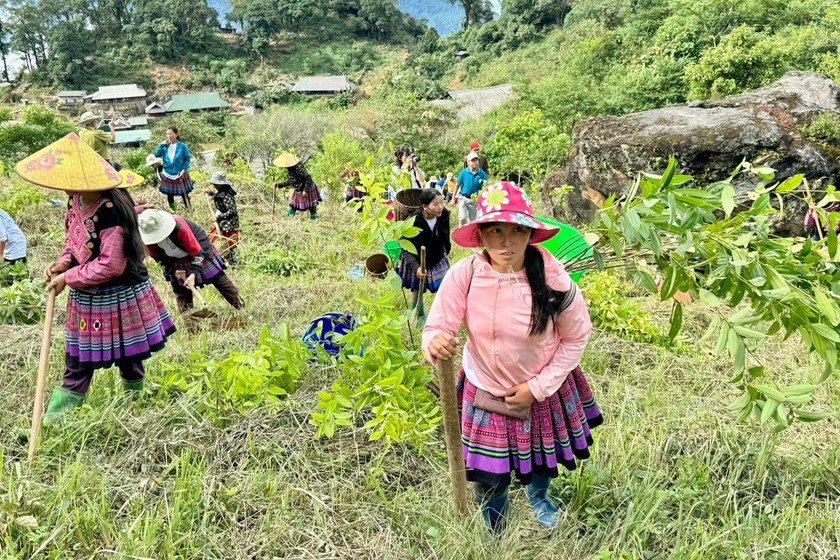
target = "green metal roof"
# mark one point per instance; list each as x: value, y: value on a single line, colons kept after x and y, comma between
x: 195, y: 102
x: 132, y: 136
x: 138, y: 121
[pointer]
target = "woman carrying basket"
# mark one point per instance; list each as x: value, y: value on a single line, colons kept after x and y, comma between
x: 174, y: 177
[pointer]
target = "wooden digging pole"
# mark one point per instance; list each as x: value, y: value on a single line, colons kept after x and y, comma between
x: 452, y: 431
x: 43, y: 369
x: 418, y: 307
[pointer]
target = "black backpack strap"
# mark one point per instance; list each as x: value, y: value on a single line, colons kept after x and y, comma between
x: 472, y: 273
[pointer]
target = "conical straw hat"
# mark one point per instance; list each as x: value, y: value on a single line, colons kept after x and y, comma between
x: 130, y: 179
x: 286, y: 159
x: 68, y: 165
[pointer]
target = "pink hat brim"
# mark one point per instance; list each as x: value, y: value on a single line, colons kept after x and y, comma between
x: 468, y: 236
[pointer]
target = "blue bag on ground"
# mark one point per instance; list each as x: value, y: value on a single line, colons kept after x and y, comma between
x: 327, y: 329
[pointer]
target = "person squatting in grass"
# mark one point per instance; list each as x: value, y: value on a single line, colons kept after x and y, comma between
x: 189, y: 260
x: 114, y: 315
x: 227, y: 216
x: 432, y: 218
x: 175, y: 175
x: 305, y: 195
x: 527, y: 327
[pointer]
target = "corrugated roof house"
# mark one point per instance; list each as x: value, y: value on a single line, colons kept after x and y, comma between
x: 323, y: 85
x: 207, y: 101
x: 118, y: 94
x: 71, y: 97
x: 131, y: 137
x: 472, y: 103
x: 155, y: 109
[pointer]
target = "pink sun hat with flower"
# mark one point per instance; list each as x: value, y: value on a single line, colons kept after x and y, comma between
x: 502, y: 202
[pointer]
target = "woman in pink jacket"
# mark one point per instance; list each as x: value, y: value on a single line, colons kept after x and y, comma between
x: 526, y: 405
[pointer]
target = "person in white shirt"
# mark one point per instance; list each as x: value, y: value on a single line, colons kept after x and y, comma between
x: 12, y: 240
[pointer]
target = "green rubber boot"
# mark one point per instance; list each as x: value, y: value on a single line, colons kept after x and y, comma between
x: 313, y: 216
x: 134, y: 387
x: 173, y: 206
x: 62, y: 401
x: 291, y: 212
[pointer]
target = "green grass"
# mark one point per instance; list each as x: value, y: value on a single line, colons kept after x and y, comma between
x: 671, y: 476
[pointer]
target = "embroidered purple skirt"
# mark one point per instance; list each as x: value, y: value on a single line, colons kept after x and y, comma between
x: 407, y: 269
x: 303, y: 200
x: 116, y: 322
x: 175, y: 186
x: 556, y: 433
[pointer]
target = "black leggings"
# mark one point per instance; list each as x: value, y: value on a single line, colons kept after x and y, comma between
x: 170, y: 198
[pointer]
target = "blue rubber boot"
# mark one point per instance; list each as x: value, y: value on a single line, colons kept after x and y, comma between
x: 544, y: 509
x: 494, y: 510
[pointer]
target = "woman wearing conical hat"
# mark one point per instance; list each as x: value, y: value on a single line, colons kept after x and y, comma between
x: 114, y: 314
x: 305, y: 195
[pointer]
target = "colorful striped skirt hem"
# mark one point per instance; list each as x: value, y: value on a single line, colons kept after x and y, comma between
x: 557, y: 432
x: 116, y: 322
x: 407, y: 269
x: 303, y: 200
x: 210, y: 268
x: 176, y: 186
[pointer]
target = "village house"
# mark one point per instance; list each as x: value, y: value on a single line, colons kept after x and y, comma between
x: 323, y: 85
x: 71, y: 97
x: 206, y: 101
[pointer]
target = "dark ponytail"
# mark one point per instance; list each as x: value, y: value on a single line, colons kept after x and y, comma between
x: 546, y: 303
x: 133, y: 247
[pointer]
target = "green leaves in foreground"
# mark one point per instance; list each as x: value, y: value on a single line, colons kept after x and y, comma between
x: 380, y: 381
x: 731, y: 260
x: 242, y: 381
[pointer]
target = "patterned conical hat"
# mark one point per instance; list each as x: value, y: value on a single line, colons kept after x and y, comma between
x: 68, y: 164
x: 130, y: 178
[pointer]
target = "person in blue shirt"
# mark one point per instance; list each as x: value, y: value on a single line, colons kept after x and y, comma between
x: 12, y: 240
x: 175, y: 176
x: 470, y: 181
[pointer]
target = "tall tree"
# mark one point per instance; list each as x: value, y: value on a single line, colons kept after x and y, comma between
x: 475, y: 11
x: 4, y: 51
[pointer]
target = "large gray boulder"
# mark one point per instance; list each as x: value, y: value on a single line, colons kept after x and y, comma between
x: 709, y: 139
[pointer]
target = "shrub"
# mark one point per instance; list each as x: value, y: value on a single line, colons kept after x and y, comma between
x: 825, y: 127
x: 612, y: 312
x: 277, y: 261
x: 337, y: 150
x: 242, y: 381
x: 15, y: 195
x: 527, y: 143
x: 23, y: 302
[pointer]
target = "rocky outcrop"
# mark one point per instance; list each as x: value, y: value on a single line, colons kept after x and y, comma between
x: 709, y: 139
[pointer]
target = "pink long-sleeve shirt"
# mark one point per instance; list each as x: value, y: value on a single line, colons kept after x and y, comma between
x: 107, y: 265
x: 502, y: 353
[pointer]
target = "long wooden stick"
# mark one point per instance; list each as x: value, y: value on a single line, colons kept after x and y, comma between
x: 422, y: 288
x: 273, y: 198
x: 452, y: 431
x: 43, y: 369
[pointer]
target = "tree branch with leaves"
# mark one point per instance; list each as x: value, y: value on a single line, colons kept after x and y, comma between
x: 758, y: 284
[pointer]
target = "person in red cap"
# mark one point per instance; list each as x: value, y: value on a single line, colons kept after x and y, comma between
x: 527, y: 408
x: 482, y: 161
